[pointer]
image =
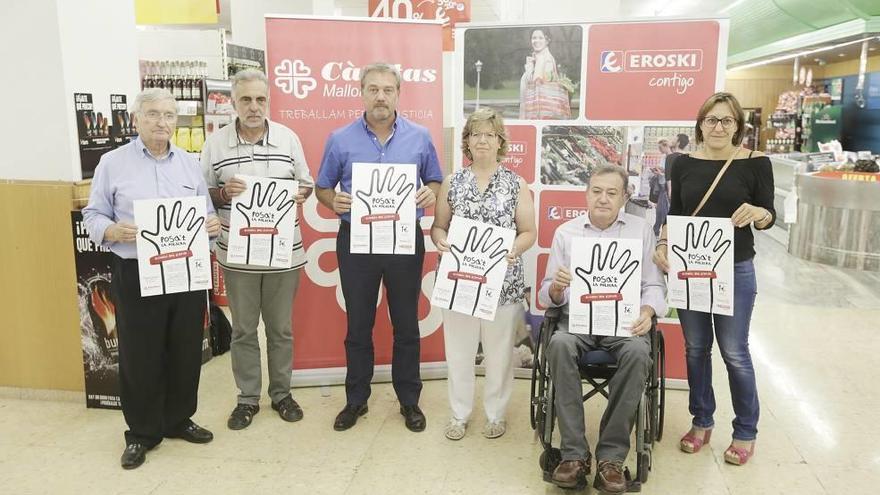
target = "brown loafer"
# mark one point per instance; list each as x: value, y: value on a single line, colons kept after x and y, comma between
x: 609, y: 477
x: 571, y: 474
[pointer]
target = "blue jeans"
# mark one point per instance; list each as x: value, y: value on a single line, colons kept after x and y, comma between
x: 733, y: 341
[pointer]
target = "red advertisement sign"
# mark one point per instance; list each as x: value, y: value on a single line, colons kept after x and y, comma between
x: 521, y: 151
x: 314, y: 84
x: 556, y: 208
x: 650, y: 71
x: 448, y: 11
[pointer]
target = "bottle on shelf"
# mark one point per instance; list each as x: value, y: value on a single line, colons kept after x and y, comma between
x: 187, y: 81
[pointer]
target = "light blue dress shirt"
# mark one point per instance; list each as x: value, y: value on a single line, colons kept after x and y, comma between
x: 130, y: 173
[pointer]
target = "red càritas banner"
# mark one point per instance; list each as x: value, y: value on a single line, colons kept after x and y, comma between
x: 314, y: 88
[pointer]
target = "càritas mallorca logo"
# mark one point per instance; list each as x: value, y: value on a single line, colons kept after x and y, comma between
x: 342, y: 78
x: 678, y: 62
x: 294, y: 78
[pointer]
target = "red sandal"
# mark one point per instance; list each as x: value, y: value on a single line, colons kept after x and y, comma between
x: 738, y: 456
x: 692, y: 444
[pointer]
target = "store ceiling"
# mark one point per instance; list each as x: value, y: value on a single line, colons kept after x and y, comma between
x: 757, y: 26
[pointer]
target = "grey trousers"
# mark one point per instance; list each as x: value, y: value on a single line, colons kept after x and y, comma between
x: 250, y: 295
x: 624, y: 392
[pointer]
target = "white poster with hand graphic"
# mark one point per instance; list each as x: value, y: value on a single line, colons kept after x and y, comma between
x: 700, y: 257
x: 383, y: 208
x: 172, y: 245
x: 471, y: 274
x: 262, y: 221
x: 605, y: 293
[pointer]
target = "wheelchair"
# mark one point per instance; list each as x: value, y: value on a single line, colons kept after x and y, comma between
x: 596, y: 368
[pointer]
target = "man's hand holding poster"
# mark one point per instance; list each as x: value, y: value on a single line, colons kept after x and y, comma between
x: 262, y: 222
x: 605, y: 294
x: 172, y: 245
x: 471, y: 274
x: 701, y: 264
x: 383, y: 209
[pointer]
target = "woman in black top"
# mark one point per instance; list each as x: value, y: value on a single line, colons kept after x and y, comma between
x: 745, y: 195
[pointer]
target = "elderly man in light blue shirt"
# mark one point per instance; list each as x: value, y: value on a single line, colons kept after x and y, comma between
x: 606, y: 195
x: 160, y: 337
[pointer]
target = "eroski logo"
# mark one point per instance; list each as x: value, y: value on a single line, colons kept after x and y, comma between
x: 294, y: 78
x: 609, y: 61
x: 682, y: 60
x: 564, y: 212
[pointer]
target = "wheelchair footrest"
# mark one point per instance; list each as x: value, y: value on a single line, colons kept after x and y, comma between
x: 632, y: 486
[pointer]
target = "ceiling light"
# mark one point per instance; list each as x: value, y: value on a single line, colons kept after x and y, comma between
x: 731, y: 6
x: 790, y: 56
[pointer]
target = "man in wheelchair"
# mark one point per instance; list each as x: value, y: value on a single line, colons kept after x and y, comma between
x: 606, y: 195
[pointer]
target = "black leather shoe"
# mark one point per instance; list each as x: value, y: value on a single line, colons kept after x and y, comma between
x: 242, y: 416
x: 133, y: 456
x: 349, y: 416
x: 194, y: 434
x: 414, y: 418
x: 288, y: 409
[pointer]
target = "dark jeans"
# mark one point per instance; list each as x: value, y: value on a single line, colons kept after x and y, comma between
x: 733, y: 341
x: 360, y: 275
x: 160, y: 355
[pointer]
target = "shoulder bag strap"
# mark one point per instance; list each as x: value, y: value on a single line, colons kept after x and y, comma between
x: 715, y: 182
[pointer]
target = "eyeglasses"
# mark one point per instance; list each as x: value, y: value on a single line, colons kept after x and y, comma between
x: 711, y: 122
x: 489, y: 136
x: 154, y: 116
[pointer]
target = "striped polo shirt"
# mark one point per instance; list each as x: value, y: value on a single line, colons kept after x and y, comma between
x: 278, y: 155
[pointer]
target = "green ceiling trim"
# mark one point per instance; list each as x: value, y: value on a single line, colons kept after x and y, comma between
x: 758, y: 23
x: 827, y: 35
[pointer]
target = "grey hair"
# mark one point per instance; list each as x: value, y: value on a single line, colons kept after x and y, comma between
x: 246, y: 75
x: 612, y: 169
x: 381, y: 67
x: 150, y: 95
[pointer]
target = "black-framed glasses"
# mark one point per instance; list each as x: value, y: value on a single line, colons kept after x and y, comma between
x: 711, y: 122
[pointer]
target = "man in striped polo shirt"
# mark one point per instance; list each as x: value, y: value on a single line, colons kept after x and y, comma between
x: 254, y: 145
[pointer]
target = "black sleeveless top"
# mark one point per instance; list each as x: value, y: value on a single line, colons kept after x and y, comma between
x: 747, y: 180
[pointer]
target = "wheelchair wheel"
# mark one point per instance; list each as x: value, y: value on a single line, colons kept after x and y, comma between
x: 644, y: 466
x: 539, y: 387
x: 536, y: 398
x: 661, y: 411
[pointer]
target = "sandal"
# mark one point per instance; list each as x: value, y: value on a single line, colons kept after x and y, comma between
x: 737, y: 455
x: 456, y: 429
x: 691, y: 443
x: 495, y: 429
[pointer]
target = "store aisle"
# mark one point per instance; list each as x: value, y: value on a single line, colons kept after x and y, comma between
x: 814, y: 343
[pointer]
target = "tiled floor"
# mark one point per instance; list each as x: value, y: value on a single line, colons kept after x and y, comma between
x: 814, y: 342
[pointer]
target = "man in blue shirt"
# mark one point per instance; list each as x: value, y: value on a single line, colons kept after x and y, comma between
x: 381, y: 136
x: 160, y: 337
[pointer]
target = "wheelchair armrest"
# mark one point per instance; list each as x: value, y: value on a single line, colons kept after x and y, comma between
x: 548, y: 326
x: 554, y: 313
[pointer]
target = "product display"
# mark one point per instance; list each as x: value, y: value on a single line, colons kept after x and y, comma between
x: 184, y: 79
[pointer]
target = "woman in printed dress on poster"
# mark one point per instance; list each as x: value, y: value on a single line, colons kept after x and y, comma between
x: 487, y: 192
x: 541, y: 95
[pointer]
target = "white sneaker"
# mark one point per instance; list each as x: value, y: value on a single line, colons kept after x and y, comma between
x: 495, y: 429
x: 455, y: 429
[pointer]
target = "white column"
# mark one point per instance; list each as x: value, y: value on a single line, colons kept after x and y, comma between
x: 71, y: 46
